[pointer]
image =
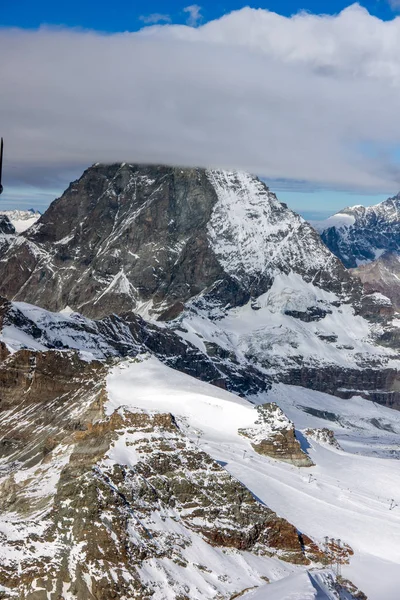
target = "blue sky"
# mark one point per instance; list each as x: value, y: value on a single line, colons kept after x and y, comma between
x: 121, y: 15
x: 315, y: 200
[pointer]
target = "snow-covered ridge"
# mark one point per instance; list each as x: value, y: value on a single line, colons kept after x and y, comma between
x: 339, y: 220
x: 359, y: 234
x: 22, y: 219
x: 252, y: 233
x: 388, y: 210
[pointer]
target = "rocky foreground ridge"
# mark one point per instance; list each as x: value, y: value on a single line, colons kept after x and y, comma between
x: 99, y: 505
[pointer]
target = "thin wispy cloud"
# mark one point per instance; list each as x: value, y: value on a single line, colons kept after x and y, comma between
x: 194, y: 12
x: 394, y: 5
x: 302, y: 98
x: 155, y: 18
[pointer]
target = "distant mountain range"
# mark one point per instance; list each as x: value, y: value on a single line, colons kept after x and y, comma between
x: 359, y: 234
x: 21, y: 219
x: 367, y: 240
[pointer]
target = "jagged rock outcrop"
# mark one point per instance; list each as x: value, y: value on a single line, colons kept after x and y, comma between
x: 7, y: 233
x: 323, y: 436
x: 273, y: 434
x: 36, y: 384
x: 360, y: 234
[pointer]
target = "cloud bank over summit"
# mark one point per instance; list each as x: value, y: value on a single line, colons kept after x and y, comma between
x: 309, y: 98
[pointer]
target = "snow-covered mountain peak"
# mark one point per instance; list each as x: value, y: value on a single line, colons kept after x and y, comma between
x: 215, y: 254
x: 253, y: 234
x: 124, y: 237
x: 360, y: 234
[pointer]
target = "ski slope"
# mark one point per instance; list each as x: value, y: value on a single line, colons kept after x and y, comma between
x: 349, y: 493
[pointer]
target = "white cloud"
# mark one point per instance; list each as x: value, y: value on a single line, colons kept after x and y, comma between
x: 308, y: 98
x: 394, y: 4
x: 155, y: 18
x: 194, y: 12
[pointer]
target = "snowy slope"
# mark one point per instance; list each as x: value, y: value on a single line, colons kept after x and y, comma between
x: 299, y: 586
x: 293, y: 323
x: 253, y: 234
x: 350, y: 491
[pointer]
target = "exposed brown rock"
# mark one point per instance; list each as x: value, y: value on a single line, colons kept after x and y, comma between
x: 273, y: 434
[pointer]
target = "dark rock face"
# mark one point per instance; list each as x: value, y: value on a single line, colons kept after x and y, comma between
x: 313, y: 313
x: 380, y: 385
x: 149, y: 238
x: 7, y: 231
x: 324, y: 436
x: 366, y: 232
x: 6, y: 227
x: 140, y: 230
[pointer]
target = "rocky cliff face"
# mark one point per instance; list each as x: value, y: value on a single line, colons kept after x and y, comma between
x: 382, y: 276
x: 128, y: 237
x: 360, y: 234
x: 6, y: 227
x: 7, y: 233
